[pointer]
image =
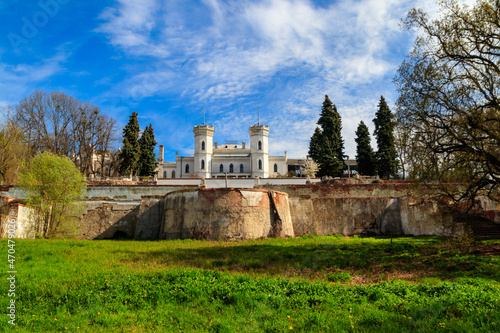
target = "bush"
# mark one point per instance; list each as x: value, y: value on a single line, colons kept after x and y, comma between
x: 339, y: 277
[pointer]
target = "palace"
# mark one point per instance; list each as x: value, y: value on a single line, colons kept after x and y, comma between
x: 212, y: 160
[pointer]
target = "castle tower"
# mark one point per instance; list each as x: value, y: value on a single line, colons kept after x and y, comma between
x: 259, y: 147
x: 203, y: 150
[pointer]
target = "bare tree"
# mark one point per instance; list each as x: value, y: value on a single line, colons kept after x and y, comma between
x: 449, y: 87
x: 66, y: 126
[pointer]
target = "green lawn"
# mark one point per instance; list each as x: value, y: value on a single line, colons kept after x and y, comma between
x: 313, y: 284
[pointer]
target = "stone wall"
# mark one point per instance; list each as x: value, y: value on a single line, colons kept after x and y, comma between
x: 226, y: 214
x: 348, y: 209
x: 150, y: 217
x: 21, y: 214
x: 109, y: 219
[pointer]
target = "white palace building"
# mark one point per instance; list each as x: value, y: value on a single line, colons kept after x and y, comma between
x: 212, y: 160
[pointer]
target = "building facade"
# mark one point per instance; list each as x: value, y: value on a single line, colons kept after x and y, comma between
x: 211, y: 160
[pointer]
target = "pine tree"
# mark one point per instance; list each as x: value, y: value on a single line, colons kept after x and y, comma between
x: 147, y: 160
x: 130, y: 154
x: 387, y: 164
x: 315, y: 145
x: 330, y: 155
x: 364, y: 152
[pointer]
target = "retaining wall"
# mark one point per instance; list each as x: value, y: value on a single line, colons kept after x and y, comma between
x: 227, y: 214
x: 348, y: 209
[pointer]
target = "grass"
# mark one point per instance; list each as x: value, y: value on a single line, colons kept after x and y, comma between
x: 307, y: 284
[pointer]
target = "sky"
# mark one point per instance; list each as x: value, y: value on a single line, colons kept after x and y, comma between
x: 168, y: 60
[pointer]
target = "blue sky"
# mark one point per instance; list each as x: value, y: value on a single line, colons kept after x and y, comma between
x: 167, y: 59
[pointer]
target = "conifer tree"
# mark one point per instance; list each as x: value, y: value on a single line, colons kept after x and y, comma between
x: 147, y: 160
x: 130, y: 154
x: 315, y: 145
x: 364, y: 152
x: 387, y: 164
x: 330, y: 155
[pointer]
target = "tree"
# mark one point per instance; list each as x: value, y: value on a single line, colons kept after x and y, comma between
x: 310, y: 168
x: 387, y: 164
x: 94, y: 136
x: 147, y: 160
x: 364, y: 152
x: 53, y: 185
x: 63, y: 125
x: 316, y: 145
x: 448, y: 90
x: 131, y: 152
x: 327, y: 147
x: 13, y: 152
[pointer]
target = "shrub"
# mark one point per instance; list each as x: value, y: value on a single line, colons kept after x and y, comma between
x: 339, y: 277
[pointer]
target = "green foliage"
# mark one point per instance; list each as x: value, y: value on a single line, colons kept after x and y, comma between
x: 130, y: 153
x: 147, y: 161
x: 75, y: 285
x: 387, y: 163
x: 339, y: 277
x: 53, y: 185
x: 326, y: 147
x: 13, y: 152
x: 364, y: 152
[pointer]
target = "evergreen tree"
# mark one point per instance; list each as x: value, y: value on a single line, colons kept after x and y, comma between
x: 130, y: 154
x: 147, y: 160
x: 364, y: 152
x: 316, y: 146
x: 330, y: 154
x: 387, y: 164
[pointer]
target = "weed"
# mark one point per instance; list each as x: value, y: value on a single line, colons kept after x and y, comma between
x: 339, y: 277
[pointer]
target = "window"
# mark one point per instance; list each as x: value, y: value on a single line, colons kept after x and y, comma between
x: 275, y: 167
x: 260, y: 145
x: 202, y: 164
x: 260, y: 164
x: 187, y: 168
x: 231, y: 168
x: 241, y: 168
x: 203, y: 147
x: 173, y: 174
x: 221, y: 168
x: 164, y: 174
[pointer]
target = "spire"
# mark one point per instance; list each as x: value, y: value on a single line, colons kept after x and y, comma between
x: 258, y: 115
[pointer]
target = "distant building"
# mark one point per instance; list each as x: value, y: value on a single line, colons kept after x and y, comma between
x: 211, y: 160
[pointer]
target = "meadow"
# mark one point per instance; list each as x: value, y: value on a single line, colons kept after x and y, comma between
x: 306, y: 284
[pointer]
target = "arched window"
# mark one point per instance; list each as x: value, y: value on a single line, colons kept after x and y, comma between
x: 202, y: 164
x: 275, y: 167
x: 260, y: 164
x: 241, y: 168
x: 187, y: 168
x: 173, y: 174
x: 260, y: 145
x: 221, y: 168
x: 164, y: 174
x: 203, y: 146
x: 231, y: 168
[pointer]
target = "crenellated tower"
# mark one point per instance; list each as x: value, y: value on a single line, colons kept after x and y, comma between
x: 203, y: 150
x: 259, y: 146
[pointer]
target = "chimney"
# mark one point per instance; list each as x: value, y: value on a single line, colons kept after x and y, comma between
x: 160, y: 158
x: 243, y: 144
x: 176, y: 155
x: 286, y: 156
x: 216, y: 144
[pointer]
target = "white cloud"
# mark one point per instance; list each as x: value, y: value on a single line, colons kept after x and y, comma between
x: 286, y: 54
x: 131, y: 24
x: 19, y: 80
